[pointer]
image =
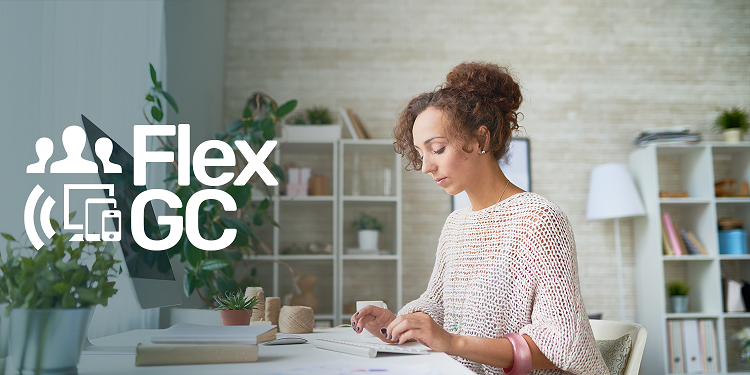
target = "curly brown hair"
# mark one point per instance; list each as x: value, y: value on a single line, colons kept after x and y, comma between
x: 474, y: 94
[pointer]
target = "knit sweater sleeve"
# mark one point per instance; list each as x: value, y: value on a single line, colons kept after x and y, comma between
x: 559, y: 324
x: 431, y: 301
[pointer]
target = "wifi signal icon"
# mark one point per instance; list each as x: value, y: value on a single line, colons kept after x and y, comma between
x: 28, y: 217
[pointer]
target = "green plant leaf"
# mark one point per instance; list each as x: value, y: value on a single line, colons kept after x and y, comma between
x: 188, y: 283
x: 240, y: 225
x: 149, y: 98
x: 193, y: 254
x: 153, y: 73
x: 247, y: 113
x: 225, y: 284
x: 286, y: 108
x: 234, y: 126
x: 171, y: 101
x: 156, y: 114
x: 278, y: 172
x: 215, y: 264
x: 8, y: 237
x: 241, y: 194
x: 258, y: 219
x: 263, y: 205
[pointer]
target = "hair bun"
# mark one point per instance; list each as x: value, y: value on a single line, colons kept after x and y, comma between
x: 484, y: 83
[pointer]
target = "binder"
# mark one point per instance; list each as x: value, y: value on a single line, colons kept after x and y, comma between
x: 676, y: 362
x: 691, y: 344
x: 712, y: 349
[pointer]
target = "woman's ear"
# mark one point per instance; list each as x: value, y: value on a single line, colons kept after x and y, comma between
x: 483, y: 137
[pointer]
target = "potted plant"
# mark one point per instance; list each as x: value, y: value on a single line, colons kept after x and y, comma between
x: 315, y: 124
x: 212, y: 273
x: 368, y: 229
x: 732, y: 123
x: 235, y: 308
x: 743, y: 337
x: 51, y: 294
x: 678, y: 296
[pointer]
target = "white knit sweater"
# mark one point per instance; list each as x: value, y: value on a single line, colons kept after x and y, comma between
x: 512, y: 268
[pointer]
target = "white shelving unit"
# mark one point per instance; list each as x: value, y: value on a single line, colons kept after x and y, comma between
x: 691, y: 168
x: 357, y: 172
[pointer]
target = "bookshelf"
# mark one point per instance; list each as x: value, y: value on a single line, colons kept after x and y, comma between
x: 362, y: 175
x: 694, y: 169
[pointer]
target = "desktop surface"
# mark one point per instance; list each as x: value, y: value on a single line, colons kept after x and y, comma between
x: 279, y: 358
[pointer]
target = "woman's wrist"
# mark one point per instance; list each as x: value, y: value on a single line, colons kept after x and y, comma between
x: 456, y: 343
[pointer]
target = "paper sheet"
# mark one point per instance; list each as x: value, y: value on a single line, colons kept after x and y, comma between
x: 354, y: 367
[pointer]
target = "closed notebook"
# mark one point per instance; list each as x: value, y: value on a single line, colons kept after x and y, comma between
x: 149, y: 354
x: 185, y: 333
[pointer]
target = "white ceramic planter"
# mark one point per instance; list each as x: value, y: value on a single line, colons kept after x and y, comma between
x: 311, y: 133
x: 732, y: 135
x: 48, y: 340
x: 368, y: 239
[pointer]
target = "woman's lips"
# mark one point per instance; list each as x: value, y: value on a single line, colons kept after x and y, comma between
x: 440, y: 181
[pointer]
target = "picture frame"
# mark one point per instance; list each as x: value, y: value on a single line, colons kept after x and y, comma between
x: 516, y: 165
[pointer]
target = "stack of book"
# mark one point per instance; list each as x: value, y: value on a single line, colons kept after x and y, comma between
x: 692, y: 346
x: 679, y: 134
x: 186, y: 343
x: 355, y: 125
x: 677, y: 241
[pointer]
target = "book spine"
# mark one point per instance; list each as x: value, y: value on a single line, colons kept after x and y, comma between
x: 348, y: 122
x: 665, y: 242
x: 689, y: 245
x: 147, y: 354
x: 697, y: 243
x: 671, y: 234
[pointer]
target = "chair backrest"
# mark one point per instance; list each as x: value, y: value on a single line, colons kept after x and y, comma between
x: 610, y: 330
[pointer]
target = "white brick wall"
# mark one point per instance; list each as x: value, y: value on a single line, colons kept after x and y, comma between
x: 593, y: 73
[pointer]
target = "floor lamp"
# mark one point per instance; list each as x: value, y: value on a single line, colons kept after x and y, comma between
x: 613, y: 195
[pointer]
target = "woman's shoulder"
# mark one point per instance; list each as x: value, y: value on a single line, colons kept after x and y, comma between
x: 532, y: 206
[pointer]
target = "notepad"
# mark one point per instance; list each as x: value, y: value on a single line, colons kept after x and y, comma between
x: 185, y: 333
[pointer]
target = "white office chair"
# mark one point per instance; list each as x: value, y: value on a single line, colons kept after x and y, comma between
x: 610, y: 330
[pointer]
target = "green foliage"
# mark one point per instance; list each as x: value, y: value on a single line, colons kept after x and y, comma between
x: 236, y: 300
x: 734, y: 118
x: 216, y: 269
x: 678, y: 288
x: 367, y: 222
x: 312, y: 116
x: 319, y: 116
x: 154, y: 96
x: 56, y: 275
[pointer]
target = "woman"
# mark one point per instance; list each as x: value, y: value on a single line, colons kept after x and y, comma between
x: 504, y: 292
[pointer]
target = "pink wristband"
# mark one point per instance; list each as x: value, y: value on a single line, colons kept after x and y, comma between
x: 521, y: 355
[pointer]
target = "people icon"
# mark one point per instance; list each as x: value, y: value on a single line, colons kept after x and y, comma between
x: 103, y: 149
x: 74, y: 140
x: 44, y: 148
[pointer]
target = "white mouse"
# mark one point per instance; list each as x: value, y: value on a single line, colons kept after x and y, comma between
x: 286, y: 341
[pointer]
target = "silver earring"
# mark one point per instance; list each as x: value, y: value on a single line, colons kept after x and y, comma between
x: 483, y: 151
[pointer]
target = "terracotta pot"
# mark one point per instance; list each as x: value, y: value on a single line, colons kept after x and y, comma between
x: 235, y: 317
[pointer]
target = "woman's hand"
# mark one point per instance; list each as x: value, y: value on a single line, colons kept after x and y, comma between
x: 373, y: 319
x: 420, y: 326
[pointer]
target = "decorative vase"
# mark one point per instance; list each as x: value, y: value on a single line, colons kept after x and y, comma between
x: 679, y: 304
x: 306, y: 284
x: 48, y: 340
x: 235, y: 317
x: 368, y: 239
x: 732, y: 135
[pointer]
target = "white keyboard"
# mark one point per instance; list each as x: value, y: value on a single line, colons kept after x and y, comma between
x: 365, y: 349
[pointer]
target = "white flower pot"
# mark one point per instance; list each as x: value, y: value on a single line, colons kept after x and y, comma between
x: 48, y: 340
x: 732, y: 135
x: 368, y: 239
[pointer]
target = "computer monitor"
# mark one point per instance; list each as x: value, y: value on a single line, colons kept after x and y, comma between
x: 150, y: 271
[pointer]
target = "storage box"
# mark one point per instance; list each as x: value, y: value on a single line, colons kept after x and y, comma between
x: 733, y: 242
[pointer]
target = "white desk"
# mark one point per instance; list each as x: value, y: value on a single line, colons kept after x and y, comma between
x: 275, y: 357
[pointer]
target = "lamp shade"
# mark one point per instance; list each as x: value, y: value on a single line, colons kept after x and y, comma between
x: 612, y: 193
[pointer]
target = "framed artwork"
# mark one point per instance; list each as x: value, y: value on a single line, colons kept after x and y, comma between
x: 516, y: 165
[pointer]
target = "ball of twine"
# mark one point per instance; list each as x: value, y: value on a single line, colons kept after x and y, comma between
x: 273, y: 306
x: 296, y: 319
x: 260, y: 313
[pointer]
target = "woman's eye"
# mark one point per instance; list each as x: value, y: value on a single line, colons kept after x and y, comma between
x: 440, y: 151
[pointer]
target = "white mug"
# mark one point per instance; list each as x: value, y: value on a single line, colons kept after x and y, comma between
x: 365, y: 335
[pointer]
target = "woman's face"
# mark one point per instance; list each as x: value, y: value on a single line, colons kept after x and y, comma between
x: 443, y: 159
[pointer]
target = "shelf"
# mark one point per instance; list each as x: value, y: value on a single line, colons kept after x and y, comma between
x: 307, y: 198
x: 369, y: 198
x: 686, y: 201
x: 737, y: 315
x: 734, y: 257
x: 733, y: 200
x: 369, y: 257
x: 304, y: 257
x: 692, y: 315
x: 688, y: 258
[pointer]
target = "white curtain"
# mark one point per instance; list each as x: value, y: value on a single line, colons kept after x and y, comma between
x: 58, y: 60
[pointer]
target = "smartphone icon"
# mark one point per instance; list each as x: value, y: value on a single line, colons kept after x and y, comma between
x: 111, y: 228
